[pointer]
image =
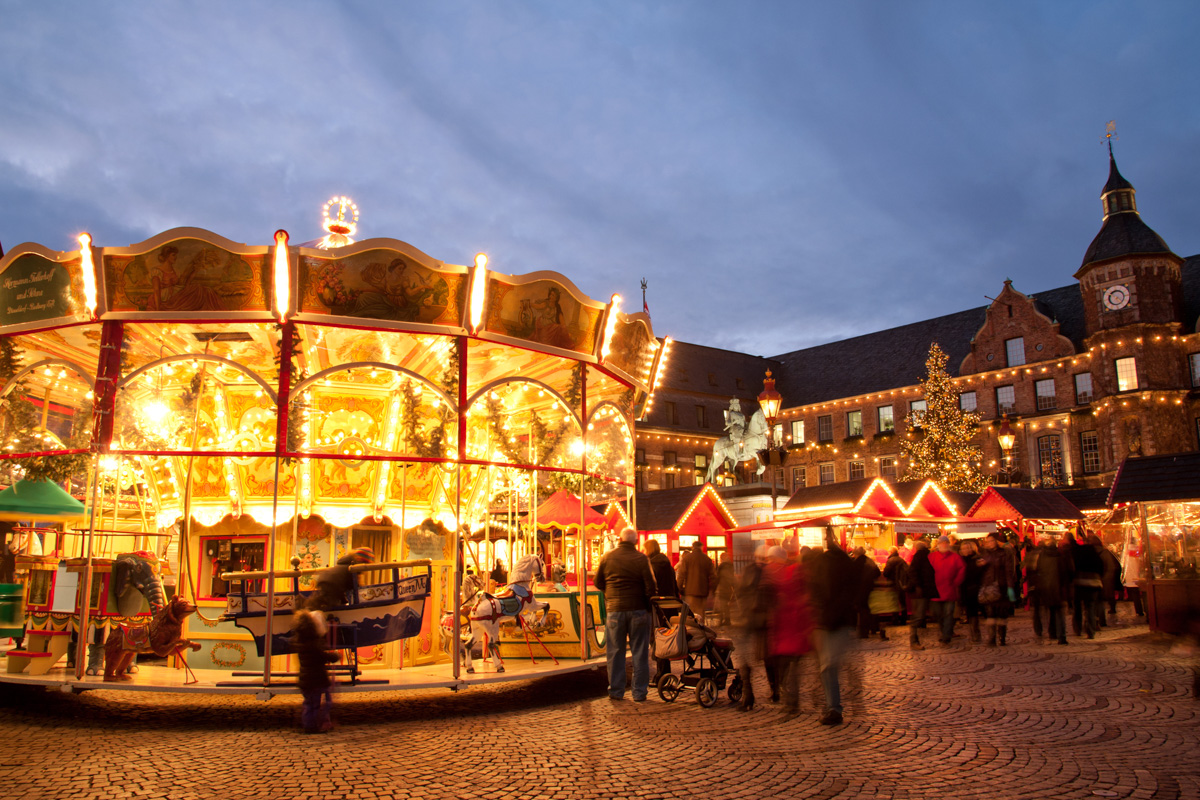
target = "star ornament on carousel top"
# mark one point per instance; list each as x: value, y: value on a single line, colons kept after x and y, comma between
x: 339, y: 229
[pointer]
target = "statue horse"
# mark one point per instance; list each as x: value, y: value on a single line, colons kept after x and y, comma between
x: 737, y: 449
x: 162, y: 636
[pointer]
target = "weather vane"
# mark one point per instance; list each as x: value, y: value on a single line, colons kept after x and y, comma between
x: 1110, y: 133
x: 340, y: 229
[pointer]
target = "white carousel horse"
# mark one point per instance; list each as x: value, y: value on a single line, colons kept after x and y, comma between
x: 515, y: 601
x: 738, y: 448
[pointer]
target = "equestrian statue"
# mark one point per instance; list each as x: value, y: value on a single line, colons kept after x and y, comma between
x: 743, y: 441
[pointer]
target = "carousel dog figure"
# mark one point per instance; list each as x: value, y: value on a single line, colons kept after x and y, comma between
x: 162, y: 636
x: 516, y: 600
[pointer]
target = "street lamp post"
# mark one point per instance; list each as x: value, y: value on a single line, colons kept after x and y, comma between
x: 773, y: 455
x: 1007, y: 439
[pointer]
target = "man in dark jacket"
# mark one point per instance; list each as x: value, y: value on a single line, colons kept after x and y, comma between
x: 697, y: 579
x: 833, y: 588
x: 922, y: 587
x: 1087, y: 585
x: 628, y: 584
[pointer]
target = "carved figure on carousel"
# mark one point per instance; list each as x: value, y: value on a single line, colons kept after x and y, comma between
x: 163, y: 636
x: 743, y: 441
x: 133, y: 574
x: 484, y: 611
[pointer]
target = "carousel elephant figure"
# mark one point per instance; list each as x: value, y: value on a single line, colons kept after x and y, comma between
x: 133, y: 578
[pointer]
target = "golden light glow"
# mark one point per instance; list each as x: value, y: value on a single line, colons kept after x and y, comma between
x: 610, y: 325
x: 478, y: 291
x: 283, y: 284
x: 88, y: 268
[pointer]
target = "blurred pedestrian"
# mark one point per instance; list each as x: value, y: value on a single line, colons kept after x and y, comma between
x: 697, y: 578
x: 948, y: 577
x: 921, y: 588
x: 725, y: 581
x: 664, y: 580
x: 1131, y: 574
x: 789, y: 623
x: 997, y: 586
x: 1110, y: 579
x: 895, y: 571
x: 968, y: 592
x: 336, y: 584
x: 833, y: 588
x: 1087, y: 586
x: 628, y: 584
x: 499, y: 575
x: 1049, y: 578
x: 749, y: 607
x: 867, y: 573
x: 309, y: 641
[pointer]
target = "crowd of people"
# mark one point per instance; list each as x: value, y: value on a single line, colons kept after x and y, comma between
x: 791, y: 601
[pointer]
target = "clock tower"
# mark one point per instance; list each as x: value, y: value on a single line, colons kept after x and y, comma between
x: 1129, y: 275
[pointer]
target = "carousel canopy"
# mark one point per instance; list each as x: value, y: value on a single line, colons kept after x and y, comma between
x: 561, y: 512
x: 38, y: 501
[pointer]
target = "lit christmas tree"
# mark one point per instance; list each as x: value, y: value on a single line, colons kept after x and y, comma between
x: 940, y: 442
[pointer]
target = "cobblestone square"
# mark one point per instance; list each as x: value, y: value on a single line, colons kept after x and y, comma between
x: 1113, y: 717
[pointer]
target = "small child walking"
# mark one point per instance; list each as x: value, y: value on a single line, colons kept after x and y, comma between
x: 309, y: 639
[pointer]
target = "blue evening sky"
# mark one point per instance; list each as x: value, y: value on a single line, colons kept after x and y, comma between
x: 783, y: 173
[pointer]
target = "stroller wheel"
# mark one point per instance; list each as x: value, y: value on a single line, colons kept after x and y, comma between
x: 706, y: 692
x: 736, y: 689
x: 668, y: 688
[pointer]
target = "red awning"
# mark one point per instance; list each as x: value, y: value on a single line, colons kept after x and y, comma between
x: 562, y: 511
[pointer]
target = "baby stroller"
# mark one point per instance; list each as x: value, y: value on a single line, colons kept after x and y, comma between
x: 679, y: 636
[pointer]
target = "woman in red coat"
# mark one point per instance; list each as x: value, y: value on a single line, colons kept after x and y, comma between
x: 789, y: 624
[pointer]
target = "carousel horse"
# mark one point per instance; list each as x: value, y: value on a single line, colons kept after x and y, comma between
x: 514, y: 601
x: 741, y: 443
x: 162, y: 636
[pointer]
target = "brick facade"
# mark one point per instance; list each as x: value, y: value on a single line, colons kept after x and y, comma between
x: 1021, y: 355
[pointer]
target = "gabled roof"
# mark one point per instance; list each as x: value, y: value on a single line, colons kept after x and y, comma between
x: 1150, y: 478
x: 1004, y: 502
x: 831, y: 498
x: 666, y: 509
x: 661, y: 509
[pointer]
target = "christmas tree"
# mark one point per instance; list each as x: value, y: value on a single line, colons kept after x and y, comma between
x: 940, y: 442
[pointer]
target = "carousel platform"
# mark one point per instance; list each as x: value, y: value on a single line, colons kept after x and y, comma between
x: 157, y: 678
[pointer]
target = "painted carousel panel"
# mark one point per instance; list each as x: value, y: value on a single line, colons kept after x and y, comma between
x: 185, y: 276
x: 542, y: 312
x: 381, y: 284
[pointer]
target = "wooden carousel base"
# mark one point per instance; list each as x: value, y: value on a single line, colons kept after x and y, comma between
x: 155, y: 678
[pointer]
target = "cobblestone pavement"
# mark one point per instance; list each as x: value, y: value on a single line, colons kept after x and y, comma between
x: 1113, y: 717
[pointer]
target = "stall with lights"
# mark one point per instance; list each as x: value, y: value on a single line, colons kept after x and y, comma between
x: 253, y: 412
x: 679, y: 518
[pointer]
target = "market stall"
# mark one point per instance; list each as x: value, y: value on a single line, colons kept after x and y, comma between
x: 678, y: 518
x: 256, y: 412
x: 1156, y: 506
x: 1031, y: 513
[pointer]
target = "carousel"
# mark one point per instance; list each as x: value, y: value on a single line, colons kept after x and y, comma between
x: 236, y: 419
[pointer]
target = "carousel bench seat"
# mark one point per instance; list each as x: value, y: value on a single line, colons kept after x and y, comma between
x: 43, y: 649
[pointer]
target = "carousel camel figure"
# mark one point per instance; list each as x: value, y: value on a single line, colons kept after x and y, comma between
x: 743, y: 441
x: 514, y: 601
x: 162, y: 636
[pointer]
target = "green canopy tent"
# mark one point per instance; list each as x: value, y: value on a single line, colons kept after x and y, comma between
x: 38, y: 501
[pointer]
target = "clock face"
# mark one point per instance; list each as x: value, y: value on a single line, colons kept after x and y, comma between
x: 1116, y: 297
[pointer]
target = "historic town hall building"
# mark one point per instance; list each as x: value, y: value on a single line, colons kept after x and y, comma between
x: 1087, y: 374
